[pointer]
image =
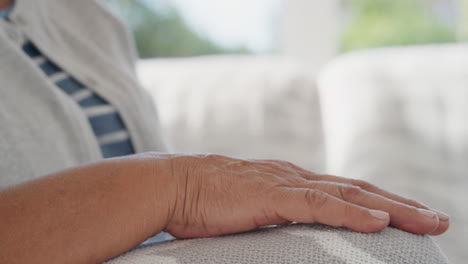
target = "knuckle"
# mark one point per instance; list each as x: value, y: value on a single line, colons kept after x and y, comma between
x: 349, y: 191
x: 284, y: 166
x: 362, y: 184
x: 316, y: 199
x: 351, y: 216
x: 284, y: 163
x: 211, y: 156
x: 348, y: 211
x: 293, y: 168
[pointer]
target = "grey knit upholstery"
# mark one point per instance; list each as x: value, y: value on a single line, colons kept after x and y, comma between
x: 294, y: 244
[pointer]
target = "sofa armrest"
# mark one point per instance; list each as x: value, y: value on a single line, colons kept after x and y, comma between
x: 293, y: 244
x: 397, y: 117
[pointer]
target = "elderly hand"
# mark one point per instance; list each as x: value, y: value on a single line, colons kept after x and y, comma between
x: 215, y: 195
x: 111, y: 206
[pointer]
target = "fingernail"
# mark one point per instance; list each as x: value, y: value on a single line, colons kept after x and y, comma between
x: 379, y: 214
x: 442, y: 216
x: 427, y: 213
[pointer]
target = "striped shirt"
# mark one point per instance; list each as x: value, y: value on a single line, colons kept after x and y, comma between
x: 104, y: 119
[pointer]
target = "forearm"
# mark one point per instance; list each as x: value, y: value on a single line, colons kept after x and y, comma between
x: 92, y: 213
x: 83, y: 215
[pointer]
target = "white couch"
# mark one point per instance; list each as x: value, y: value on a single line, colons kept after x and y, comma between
x: 399, y: 117
x: 395, y: 116
x: 238, y: 105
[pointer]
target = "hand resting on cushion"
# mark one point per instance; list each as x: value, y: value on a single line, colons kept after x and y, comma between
x: 215, y: 195
x: 95, y: 212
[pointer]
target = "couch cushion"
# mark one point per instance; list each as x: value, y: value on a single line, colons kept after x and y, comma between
x: 294, y: 244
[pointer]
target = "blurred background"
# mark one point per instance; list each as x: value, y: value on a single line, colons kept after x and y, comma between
x: 369, y: 89
x: 178, y: 28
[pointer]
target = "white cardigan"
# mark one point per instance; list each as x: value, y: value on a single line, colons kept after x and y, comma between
x: 41, y: 129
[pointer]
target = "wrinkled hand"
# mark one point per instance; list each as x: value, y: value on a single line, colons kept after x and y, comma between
x: 217, y: 195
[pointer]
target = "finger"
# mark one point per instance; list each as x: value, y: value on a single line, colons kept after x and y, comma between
x: 371, y: 188
x: 362, y: 184
x: 402, y: 216
x: 313, y: 206
x: 444, y: 219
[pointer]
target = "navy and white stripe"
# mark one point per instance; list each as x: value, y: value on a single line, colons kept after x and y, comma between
x: 104, y: 119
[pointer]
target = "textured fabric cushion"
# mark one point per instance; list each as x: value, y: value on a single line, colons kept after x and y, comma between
x: 294, y: 244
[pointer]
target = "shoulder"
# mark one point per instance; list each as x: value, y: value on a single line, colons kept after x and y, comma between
x: 85, y: 21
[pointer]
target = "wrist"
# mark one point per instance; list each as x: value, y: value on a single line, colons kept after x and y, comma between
x: 161, y: 188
